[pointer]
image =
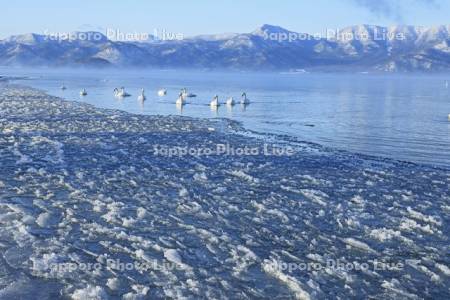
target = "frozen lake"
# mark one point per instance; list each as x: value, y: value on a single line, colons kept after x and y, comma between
x: 89, y: 210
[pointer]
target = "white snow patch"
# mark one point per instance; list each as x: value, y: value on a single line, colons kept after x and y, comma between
x: 245, y: 176
x: 384, y: 234
x: 315, y: 196
x: 421, y: 217
x: 358, y: 244
x: 172, y: 255
x: 292, y: 283
x: 411, y: 225
x: 443, y: 268
x: 113, y: 283
x: 90, y: 293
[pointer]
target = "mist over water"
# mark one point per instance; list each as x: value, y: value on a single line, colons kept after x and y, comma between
x: 403, y: 117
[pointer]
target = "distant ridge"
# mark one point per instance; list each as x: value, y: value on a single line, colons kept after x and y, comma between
x: 269, y: 47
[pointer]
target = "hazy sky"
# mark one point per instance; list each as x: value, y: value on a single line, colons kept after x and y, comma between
x: 190, y: 17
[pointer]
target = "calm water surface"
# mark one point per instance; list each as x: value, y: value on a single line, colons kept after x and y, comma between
x: 403, y: 117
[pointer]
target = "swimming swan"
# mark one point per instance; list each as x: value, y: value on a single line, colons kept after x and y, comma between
x: 142, y: 96
x: 215, y: 101
x: 180, y: 100
x: 83, y: 92
x: 121, y: 93
x: 230, y: 101
x: 162, y: 92
x: 244, y: 99
x: 186, y: 94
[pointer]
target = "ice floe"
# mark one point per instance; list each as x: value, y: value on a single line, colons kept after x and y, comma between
x: 88, y: 211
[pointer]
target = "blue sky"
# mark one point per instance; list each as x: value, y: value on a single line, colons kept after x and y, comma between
x: 209, y: 16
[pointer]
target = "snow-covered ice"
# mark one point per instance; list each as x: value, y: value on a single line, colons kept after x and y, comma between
x: 87, y: 211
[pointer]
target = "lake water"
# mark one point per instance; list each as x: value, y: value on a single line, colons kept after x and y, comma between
x: 404, y: 117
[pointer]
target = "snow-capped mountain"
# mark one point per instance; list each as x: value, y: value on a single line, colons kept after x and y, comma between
x: 363, y: 47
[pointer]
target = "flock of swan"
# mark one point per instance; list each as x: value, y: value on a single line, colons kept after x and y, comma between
x: 182, y: 96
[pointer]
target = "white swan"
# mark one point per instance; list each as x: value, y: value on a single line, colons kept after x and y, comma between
x: 121, y: 93
x: 244, y: 99
x: 83, y: 92
x: 142, y: 96
x: 230, y: 101
x: 186, y: 94
x: 180, y: 100
x: 215, y: 101
x: 162, y: 92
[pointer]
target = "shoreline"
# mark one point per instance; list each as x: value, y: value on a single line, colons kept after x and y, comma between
x: 82, y: 187
x: 394, y: 143
x: 240, y: 129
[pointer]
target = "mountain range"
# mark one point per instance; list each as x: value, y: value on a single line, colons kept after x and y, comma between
x: 355, y: 48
